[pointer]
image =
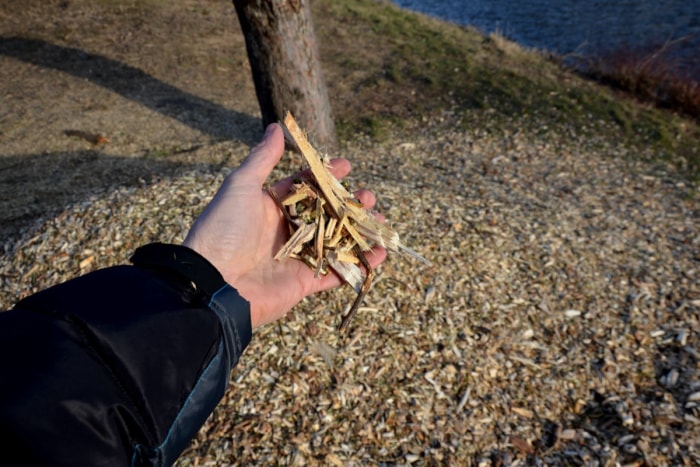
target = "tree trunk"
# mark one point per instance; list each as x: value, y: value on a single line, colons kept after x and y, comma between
x: 284, y: 59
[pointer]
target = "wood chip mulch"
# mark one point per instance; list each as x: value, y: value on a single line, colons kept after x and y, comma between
x: 558, y: 325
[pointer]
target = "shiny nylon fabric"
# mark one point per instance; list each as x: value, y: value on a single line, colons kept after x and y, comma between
x: 211, y: 384
x: 98, y: 370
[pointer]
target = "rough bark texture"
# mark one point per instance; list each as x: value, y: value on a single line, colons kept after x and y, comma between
x: 284, y: 59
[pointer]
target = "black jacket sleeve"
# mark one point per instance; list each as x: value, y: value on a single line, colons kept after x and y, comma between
x: 121, y: 366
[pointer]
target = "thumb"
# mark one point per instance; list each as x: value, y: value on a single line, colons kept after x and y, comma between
x: 265, y: 156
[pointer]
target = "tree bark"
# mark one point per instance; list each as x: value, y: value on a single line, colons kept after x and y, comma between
x: 284, y: 59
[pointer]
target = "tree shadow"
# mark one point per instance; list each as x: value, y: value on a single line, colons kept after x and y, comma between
x: 136, y: 85
x: 36, y: 186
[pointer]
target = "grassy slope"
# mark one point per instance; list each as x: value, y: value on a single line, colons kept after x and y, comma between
x: 385, y: 64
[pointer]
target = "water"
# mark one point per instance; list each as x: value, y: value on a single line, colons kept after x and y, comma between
x: 582, y: 27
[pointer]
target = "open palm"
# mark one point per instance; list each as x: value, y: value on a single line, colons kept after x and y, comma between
x: 242, y: 229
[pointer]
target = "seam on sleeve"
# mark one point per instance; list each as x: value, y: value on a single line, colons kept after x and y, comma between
x: 233, y: 312
x: 205, y: 395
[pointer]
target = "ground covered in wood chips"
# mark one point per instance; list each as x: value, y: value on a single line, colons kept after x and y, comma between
x: 558, y: 325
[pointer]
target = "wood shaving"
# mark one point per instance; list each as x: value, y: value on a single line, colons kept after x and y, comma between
x: 329, y: 227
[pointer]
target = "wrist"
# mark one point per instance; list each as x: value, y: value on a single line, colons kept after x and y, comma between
x: 229, y: 277
x: 215, y: 259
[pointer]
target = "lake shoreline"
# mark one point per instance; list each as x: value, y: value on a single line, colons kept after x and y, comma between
x: 549, y: 26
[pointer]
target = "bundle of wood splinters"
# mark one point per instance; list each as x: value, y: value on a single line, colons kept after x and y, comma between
x: 329, y: 228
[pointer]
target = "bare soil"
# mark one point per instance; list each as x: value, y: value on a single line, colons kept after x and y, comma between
x: 157, y: 82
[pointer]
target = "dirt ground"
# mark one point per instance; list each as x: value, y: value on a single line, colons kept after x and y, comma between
x: 559, y: 325
x: 157, y: 83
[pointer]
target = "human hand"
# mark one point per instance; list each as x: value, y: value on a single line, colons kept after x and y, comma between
x: 241, y: 230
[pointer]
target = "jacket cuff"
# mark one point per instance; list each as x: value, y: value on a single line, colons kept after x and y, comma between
x: 211, y: 385
x: 194, y: 269
x: 185, y: 263
x: 233, y: 312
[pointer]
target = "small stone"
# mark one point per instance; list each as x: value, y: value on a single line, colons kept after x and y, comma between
x: 670, y: 379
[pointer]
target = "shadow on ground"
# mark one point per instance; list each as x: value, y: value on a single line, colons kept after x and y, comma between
x: 36, y: 185
x: 33, y: 186
x: 136, y: 85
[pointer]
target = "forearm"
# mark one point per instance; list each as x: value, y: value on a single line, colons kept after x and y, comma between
x: 120, y: 366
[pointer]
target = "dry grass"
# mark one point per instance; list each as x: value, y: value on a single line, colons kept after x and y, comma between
x: 649, y: 73
x: 559, y: 325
